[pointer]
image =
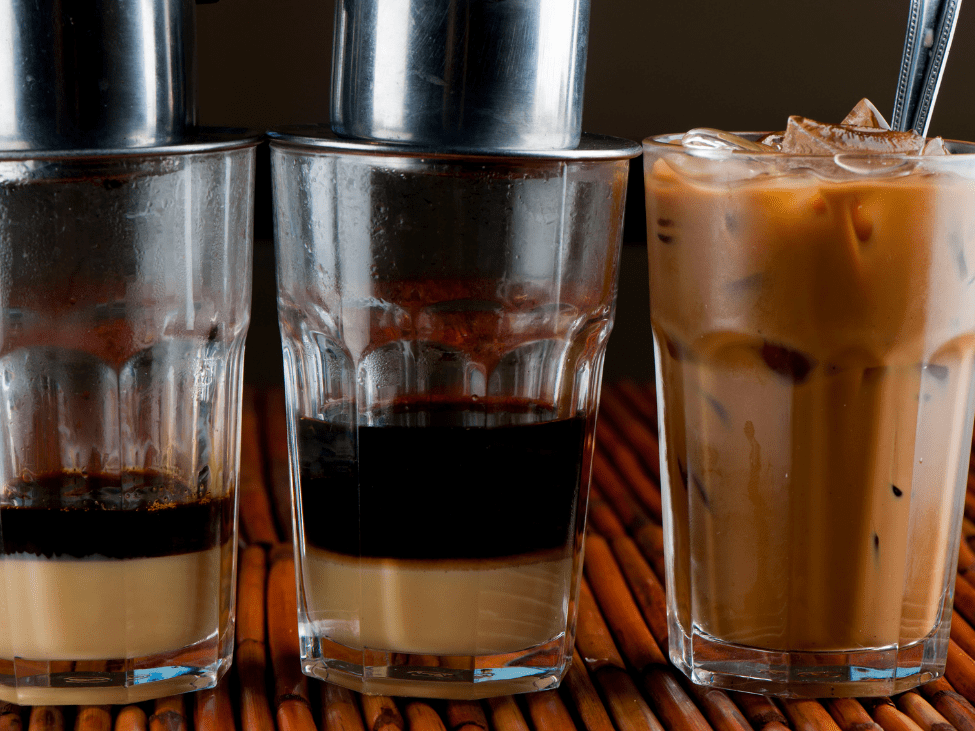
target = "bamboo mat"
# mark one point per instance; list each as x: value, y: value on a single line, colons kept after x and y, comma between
x: 619, y: 680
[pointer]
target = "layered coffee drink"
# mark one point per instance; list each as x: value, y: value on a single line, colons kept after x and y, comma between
x: 443, y: 321
x: 124, y: 308
x: 437, y: 528
x: 108, y: 569
x: 450, y: 526
x: 814, y: 325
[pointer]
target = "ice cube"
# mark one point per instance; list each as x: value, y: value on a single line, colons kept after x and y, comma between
x: 935, y: 146
x: 705, y: 138
x: 865, y: 114
x: 807, y: 137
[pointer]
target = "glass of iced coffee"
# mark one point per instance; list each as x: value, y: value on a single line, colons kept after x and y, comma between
x: 444, y: 319
x: 813, y: 316
x: 124, y: 302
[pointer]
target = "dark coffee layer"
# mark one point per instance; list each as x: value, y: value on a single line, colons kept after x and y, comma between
x: 428, y: 484
x: 58, y: 515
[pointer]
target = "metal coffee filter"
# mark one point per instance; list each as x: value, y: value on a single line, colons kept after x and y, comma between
x: 466, y: 75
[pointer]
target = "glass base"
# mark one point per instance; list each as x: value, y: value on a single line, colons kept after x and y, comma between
x: 833, y: 674
x: 454, y: 677
x: 120, y: 681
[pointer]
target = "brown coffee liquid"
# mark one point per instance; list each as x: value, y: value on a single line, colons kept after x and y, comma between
x: 138, y: 514
x: 429, y: 483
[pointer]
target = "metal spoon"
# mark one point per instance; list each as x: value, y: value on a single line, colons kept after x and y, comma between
x: 930, y: 28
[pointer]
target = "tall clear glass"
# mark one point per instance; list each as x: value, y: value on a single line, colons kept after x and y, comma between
x: 444, y: 320
x: 814, y: 330
x: 124, y: 301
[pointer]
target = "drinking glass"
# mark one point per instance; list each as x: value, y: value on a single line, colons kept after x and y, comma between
x: 444, y: 319
x: 814, y: 332
x: 124, y: 301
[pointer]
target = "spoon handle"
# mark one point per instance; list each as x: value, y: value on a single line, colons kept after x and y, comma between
x: 930, y: 28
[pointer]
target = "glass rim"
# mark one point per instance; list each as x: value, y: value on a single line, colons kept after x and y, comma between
x: 200, y: 141
x: 671, y: 142
x: 322, y: 140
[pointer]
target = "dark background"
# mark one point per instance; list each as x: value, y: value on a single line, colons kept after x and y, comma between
x: 653, y: 67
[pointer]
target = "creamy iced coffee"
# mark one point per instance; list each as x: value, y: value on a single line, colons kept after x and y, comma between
x: 814, y: 323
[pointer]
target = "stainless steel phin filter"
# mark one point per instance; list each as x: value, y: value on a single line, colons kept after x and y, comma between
x: 106, y: 75
x: 466, y: 75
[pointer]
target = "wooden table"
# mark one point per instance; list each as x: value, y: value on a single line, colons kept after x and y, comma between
x: 620, y: 678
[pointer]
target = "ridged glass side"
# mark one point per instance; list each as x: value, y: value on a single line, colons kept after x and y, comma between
x: 814, y: 333
x: 123, y: 314
x: 443, y: 325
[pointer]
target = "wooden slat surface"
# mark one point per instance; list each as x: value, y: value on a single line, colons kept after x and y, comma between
x: 620, y: 679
